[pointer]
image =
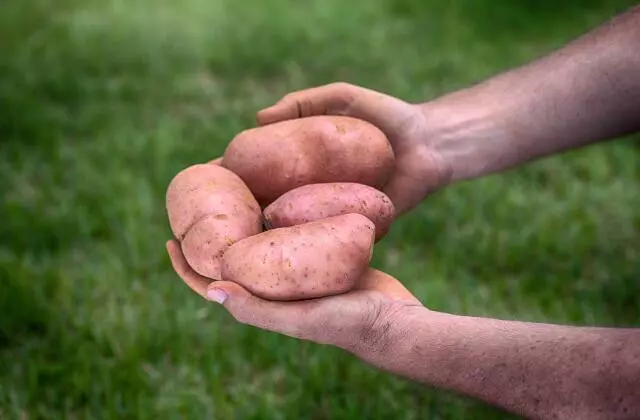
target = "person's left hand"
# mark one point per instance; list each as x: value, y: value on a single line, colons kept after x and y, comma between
x: 359, y: 321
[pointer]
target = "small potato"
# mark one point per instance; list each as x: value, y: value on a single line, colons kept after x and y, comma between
x: 209, y: 209
x: 316, y: 259
x: 279, y: 157
x: 317, y: 201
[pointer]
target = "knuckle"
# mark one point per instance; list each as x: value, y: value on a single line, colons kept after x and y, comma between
x: 241, y: 312
x: 298, y: 102
x: 240, y: 316
x: 289, y: 97
x: 344, y: 96
x: 305, y: 107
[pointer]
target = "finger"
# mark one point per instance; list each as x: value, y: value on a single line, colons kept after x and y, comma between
x: 384, y: 111
x: 327, y: 99
x: 384, y: 283
x: 217, y: 161
x: 195, y: 281
x: 329, y: 320
x: 295, y: 319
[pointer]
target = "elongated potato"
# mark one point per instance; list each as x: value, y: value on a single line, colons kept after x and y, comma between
x: 317, y: 201
x: 209, y: 209
x: 279, y: 157
x: 316, y: 259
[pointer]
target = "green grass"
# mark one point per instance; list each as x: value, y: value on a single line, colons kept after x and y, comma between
x: 101, y: 103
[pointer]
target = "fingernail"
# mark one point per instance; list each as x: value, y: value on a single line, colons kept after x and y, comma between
x: 217, y: 295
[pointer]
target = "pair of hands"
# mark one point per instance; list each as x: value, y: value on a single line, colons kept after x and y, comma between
x: 354, y: 320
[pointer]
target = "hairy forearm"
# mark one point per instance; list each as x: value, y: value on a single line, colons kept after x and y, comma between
x: 586, y: 92
x: 537, y: 370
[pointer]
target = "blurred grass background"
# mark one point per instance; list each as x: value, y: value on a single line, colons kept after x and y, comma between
x: 101, y: 103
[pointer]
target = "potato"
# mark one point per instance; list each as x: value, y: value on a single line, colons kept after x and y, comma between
x: 315, y: 259
x: 279, y: 157
x: 317, y: 201
x: 209, y: 209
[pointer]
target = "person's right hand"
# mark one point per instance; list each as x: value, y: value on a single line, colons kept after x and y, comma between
x: 419, y: 169
x: 368, y: 321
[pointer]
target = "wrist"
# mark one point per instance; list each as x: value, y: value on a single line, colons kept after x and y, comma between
x: 469, y: 133
x: 392, y: 342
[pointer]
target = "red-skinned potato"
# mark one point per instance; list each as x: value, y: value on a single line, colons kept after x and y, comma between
x: 315, y: 259
x: 210, y: 208
x: 279, y: 157
x: 371, y: 280
x: 318, y: 201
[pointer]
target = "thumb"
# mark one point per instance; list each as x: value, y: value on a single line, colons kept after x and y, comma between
x: 294, y: 319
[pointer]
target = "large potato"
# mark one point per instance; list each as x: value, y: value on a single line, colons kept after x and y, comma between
x: 209, y: 209
x: 279, y: 157
x: 316, y: 259
x: 317, y: 201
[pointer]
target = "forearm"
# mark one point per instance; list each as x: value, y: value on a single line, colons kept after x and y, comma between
x: 537, y: 370
x: 586, y: 92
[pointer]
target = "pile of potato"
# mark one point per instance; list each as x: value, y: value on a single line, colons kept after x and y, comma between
x: 291, y: 211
